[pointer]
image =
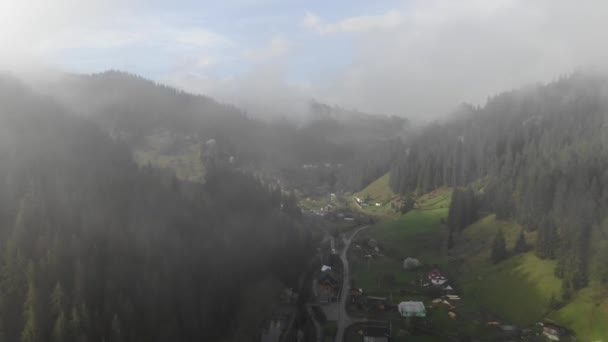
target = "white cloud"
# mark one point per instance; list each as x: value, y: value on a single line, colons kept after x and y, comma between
x: 204, y: 62
x: 420, y: 59
x: 424, y: 59
x: 197, y: 37
x: 40, y: 30
x: 390, y: 19
x: 278, y: 47
x: 445, y: 52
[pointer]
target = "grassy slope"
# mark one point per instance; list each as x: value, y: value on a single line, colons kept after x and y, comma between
x: 185, y: 162
x: 418, y: 233
x: 587, y: 313
x: 379, y: 191
x: 519, y: 288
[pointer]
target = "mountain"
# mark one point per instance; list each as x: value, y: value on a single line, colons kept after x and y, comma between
x: 537, y: 157
x: 97, y: 248
x: 169, y: 128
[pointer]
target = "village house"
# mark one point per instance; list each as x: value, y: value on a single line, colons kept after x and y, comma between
x: 328, y: 287
x: 436, y: 278
x: 553, y: 331
x: 412, y: 309
x: 410, y: 263
x: 376, y: 334
x: 355, y: 295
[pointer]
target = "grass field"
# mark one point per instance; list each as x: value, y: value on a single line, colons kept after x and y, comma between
x: 419, y: 234
x: 519, y: 289
x: 475, y: 243
x: 329, y: 331
x: 372, y: 276
x: 587, y: 313
x: 379, y: 191
x: 185, y: 161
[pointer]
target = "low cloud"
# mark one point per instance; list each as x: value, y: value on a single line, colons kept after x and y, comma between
x: 419, y: 59
x: 278, y: 47
x: 363, y: 23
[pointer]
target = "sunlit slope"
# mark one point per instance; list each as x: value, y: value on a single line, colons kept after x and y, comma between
x: 586, y: 313
x: 183, y: 157
x: 522, y: 289
x: 378, y: 190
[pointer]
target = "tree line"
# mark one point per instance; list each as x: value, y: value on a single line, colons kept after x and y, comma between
x: 538, y: 156
x: 96, y: 248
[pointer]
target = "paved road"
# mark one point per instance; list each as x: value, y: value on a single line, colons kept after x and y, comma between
x: 343, y: 319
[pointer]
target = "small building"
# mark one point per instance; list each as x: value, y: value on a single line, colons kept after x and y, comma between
x: 412, y: 309
x: 553, y: 331
x: 508, y: 331
x: 328, y: 287
x: 437, y: 278
x: 376, y: 334
x: 411, y: 263
x: 356, y: 295
x: 356, y: 292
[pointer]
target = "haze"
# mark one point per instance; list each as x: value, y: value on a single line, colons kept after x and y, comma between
x: 410, y: 58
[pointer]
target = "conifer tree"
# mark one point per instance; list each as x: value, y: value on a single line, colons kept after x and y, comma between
x: 499, y: 248
x: 31, y: 328
x: 521, y: 246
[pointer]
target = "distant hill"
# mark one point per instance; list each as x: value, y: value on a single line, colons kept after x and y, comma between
x: 168, y: 127
x: 95, y: 247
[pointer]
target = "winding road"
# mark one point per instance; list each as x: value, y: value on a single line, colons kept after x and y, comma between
x: 343, y: 319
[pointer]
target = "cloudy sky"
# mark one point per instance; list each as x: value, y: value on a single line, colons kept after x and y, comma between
x: 414, y: 58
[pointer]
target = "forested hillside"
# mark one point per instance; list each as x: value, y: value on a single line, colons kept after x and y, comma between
x: 161, y: 122
x: 538, y: 156
x: 97, y: 248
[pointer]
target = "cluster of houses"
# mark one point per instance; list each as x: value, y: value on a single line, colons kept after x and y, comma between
x: 328, y: 285
x: 363, y: 203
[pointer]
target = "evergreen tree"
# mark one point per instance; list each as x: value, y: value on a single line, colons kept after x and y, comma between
x: 521, y: 246
x: 3, y: 337
x: 499, y: 248
x: 450, y: 239
x: 407, y: 205
x: 60, y: 328
x: 456, y: 211
x: 57, y: 300
x: 116, y: 330
x: 547, y: 240
x: 31, y: 328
